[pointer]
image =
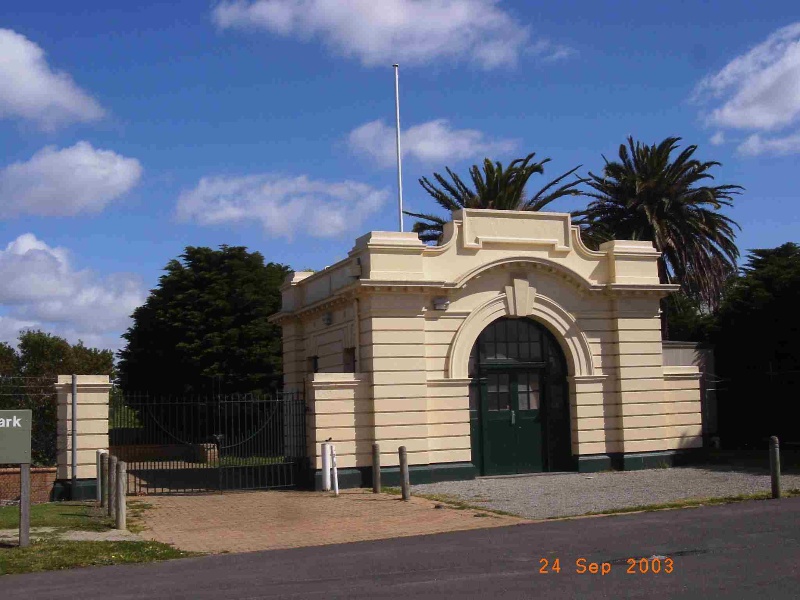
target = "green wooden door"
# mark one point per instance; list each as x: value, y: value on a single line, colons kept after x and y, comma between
x: 496, y: 414
x: 519, y: 407
x: 528, y: 421
x: 511, y: 423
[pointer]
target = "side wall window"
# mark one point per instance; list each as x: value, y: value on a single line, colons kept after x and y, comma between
x: 349, y: 360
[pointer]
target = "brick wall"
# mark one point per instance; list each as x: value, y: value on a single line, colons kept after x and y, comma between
x: 42, y: 481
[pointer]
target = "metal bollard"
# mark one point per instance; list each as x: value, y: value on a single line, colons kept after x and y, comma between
x: 99, y: 477
x: 775, y: 466
x: 104, y: 480
x: 404, y: 479
x: 334, y: 471
x: 326, y: 467
x: 122, y: 490
x: 112, y: 485
x: 376, y: 468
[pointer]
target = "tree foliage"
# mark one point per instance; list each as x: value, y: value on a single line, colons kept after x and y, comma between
x: 497, y: 187
x: 27, y: 375
x: 757, y: 348
x: 761, y: 305
x: 649, y: 195
x: 9, y: 360
x: 44, y: 355
x: 204, y: 327
x: 688, y: 319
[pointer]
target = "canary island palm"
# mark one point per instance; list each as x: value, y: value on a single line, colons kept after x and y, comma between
x: 495, y: 188
x: 647, y: 195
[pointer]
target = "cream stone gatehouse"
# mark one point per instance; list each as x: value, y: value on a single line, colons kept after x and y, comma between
x: 508, y: 348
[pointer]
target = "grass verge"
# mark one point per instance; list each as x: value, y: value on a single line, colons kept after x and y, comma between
x: 50, y: 554
x: 75, y: 516
x: 691, y: 503
x: 82, y: 516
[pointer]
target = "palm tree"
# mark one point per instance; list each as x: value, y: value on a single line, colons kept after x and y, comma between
x: 649, y: 196
x: 495, y: 188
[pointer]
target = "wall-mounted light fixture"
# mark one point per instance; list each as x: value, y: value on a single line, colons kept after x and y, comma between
x: 327, y: 318
x: 440, y: 303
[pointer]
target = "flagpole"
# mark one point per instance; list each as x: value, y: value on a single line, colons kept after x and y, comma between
x: 399, y: 163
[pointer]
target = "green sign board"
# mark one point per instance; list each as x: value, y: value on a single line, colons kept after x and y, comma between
x: 15, y: 436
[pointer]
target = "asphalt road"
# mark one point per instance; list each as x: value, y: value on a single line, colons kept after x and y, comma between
x: 747, y: 550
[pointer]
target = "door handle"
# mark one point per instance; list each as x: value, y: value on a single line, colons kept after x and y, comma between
x: 513, y: 418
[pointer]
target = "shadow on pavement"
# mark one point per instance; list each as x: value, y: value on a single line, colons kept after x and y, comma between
x: 754, y: 461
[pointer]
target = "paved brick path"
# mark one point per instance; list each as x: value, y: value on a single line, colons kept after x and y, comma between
x: 249, y: 521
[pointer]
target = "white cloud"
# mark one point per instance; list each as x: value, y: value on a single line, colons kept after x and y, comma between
x: 717, y: 139
x: 284, y: 206
x: 79, y: 179
x: 387, y: 31
x: 31, y: 90
x: 551, y: 52
x: 39, y: 288
x: 778, y: 146
x: 432, y: 142
x: 759, y: 91
x: 10, y: 329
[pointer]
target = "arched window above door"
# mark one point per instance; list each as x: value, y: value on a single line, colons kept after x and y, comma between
x: 510, y: 341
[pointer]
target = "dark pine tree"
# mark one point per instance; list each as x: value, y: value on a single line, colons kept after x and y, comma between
x: 204, y: 327
x: 757, y: 349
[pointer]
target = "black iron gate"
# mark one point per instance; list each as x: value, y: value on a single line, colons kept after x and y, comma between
x: 208, y: 443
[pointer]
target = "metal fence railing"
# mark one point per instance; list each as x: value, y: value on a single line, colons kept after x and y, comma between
x: 208, y: 442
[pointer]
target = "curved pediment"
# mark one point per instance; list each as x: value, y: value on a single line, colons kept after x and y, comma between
x: 478, y: 239
x: 548, y: 266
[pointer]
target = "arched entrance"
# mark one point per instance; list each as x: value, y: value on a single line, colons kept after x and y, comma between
x: 519, y: 401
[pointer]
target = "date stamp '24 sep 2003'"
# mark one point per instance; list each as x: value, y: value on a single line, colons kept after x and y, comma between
x: 654, y: 565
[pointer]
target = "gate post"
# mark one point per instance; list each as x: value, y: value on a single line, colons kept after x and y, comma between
x: 78, y: 445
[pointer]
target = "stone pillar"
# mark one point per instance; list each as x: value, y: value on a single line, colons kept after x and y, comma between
x: 394, y: 329
x: 294, y: 362
x: 92, y: 434
x: 640, y: 374
x: 644, y: 422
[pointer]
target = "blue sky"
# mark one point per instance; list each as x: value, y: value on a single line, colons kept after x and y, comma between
x: 130, y: 133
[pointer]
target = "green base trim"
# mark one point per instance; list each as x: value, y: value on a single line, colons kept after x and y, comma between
x: 84, y: 489
x: 634, y: 461
x: 360, y: 477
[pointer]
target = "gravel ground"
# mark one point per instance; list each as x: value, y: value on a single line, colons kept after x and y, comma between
x: 545, y: 495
